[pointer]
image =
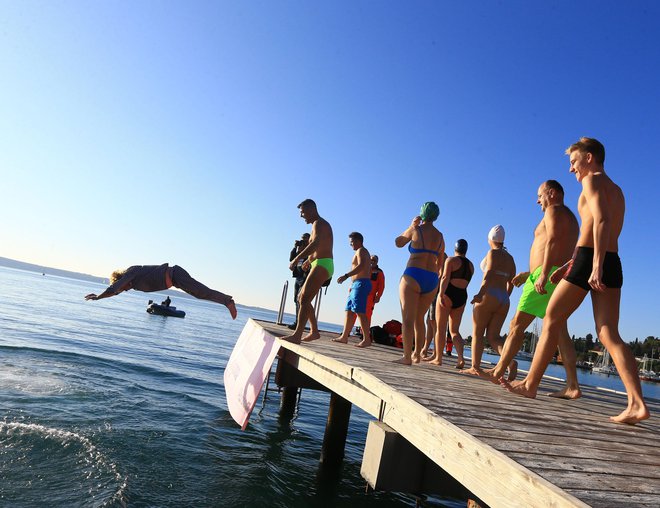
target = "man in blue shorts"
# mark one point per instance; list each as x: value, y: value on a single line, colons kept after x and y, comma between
x: 359, y: 293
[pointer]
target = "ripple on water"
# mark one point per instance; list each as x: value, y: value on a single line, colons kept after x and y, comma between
x: 35, y: 459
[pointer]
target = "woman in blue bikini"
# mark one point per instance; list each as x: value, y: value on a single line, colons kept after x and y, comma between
x: 491, y: 303
x: 420, y: 279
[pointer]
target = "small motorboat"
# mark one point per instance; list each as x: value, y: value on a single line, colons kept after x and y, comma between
x: 164, y: 310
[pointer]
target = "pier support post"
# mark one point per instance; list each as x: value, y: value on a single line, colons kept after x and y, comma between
x: 289, y: 400
x: 336, y: 430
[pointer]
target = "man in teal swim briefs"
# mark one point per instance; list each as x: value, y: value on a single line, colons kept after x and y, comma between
x: 359, y: 293
x: 319, y: 256
x: 554, y: 242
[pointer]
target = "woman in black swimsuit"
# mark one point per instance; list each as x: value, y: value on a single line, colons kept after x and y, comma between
x: 456, y: 276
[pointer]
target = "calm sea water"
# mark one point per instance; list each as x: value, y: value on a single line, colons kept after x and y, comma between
x: 102, y: 404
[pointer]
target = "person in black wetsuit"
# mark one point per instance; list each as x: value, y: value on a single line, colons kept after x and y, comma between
x: 150, y: 278
x: 299, y: 273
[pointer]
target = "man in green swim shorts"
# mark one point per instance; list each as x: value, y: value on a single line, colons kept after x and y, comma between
x: 319, y: 256
x: 554, y: 242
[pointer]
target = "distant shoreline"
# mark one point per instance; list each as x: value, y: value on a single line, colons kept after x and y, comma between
x: 46, y: 270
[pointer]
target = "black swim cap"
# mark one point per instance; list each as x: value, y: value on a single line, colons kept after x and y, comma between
x: 461, y: 246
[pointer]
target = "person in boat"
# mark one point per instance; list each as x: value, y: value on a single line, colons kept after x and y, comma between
x: 150, y: 278
x: 452, y: 297
x: 321, y: 267
x: 554, y: 241
x: 358, y: 296
x: 595, y: 268
x: 419, y: 281
x: 491, y: 303
x: 299, y: 274
x: 166, y: 302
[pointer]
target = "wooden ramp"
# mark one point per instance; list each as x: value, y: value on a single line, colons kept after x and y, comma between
x: 509, y: 451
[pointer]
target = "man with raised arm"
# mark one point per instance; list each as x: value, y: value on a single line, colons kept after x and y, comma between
x: 595, y: 268
x: 319, y: 257
x: 359, y: 293
x: 554, y: 242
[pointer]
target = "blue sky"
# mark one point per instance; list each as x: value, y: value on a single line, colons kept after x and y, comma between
x: 187, y: 132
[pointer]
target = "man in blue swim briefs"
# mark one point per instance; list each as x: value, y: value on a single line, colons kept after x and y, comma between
x: 596, y: 269
x: 553, y: 245
x: 359, y: 293
x: 320, y: 264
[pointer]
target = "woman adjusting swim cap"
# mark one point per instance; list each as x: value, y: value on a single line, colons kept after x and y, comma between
x: 429, y: 211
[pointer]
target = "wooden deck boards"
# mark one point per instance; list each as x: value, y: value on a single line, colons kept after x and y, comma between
x: 508, y: 450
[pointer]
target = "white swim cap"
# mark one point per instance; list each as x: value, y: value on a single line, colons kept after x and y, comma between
x: 496, y: 234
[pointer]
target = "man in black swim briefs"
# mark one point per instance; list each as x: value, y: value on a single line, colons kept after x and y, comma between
x: 596, y: 269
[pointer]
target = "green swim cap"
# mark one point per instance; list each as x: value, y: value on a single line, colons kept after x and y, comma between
x: 429, y: 211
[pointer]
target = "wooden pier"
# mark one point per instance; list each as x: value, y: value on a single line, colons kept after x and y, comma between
x: 506, y: 450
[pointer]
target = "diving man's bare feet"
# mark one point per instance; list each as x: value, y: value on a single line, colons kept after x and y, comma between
x: 567, y: 393
x: 363, y: 343
x: 520, y: 388
x: 311, y: 336
x: 231, y: 306
x: 632, y: 415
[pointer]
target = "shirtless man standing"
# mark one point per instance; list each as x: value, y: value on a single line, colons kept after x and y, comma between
x: 554, y: 242
x: 319, y: 256
x: 595, y: 268
x: 360, y: 288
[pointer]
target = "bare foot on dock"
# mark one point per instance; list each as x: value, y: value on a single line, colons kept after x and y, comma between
x: 473, y: 371
x: 403, y: 361
x: 363, y: 343
x: 567, y: 393
x: 311, y: 336
x: 416, y: 358
x: 428, y: 358
x: 231, y: 307
x: 294, y: 339
x: 519, y: 388
x: 633, y: 415
x: 492, y: 375
x: 436, y: 361
x: 460, y: 364
x: 343, y: 340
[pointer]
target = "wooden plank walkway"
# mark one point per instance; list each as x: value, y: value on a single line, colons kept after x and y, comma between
x: 507, y: 450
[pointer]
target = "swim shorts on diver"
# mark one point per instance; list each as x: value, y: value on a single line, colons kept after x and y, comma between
x: 357, y: 297
x: 532, y: 302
